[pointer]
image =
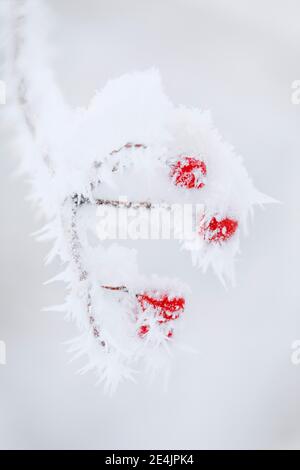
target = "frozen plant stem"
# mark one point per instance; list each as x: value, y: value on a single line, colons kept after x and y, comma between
x: 22, y: 82
x: 70, y: 206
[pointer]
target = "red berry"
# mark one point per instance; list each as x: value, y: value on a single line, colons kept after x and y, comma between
x: 166, y: 309
x: 220, y: 231
x: 143, y: 330
x: 189, y: 172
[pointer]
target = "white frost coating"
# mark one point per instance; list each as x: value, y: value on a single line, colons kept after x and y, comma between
x: 70, y: 152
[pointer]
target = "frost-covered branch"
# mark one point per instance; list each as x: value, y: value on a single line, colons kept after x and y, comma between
x: 20, y: 14
x: 22, y: 17
x: 82, y: 200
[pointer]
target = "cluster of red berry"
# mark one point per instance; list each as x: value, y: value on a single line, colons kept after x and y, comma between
x: 190, y: 172
x: 187, y: 172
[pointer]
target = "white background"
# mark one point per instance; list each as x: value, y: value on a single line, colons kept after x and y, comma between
x: 239, y: 59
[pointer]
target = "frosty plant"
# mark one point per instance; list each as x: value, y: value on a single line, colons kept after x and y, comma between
x: 130, y: 140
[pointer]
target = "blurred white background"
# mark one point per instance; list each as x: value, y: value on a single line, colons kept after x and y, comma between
x: 239, y: 59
